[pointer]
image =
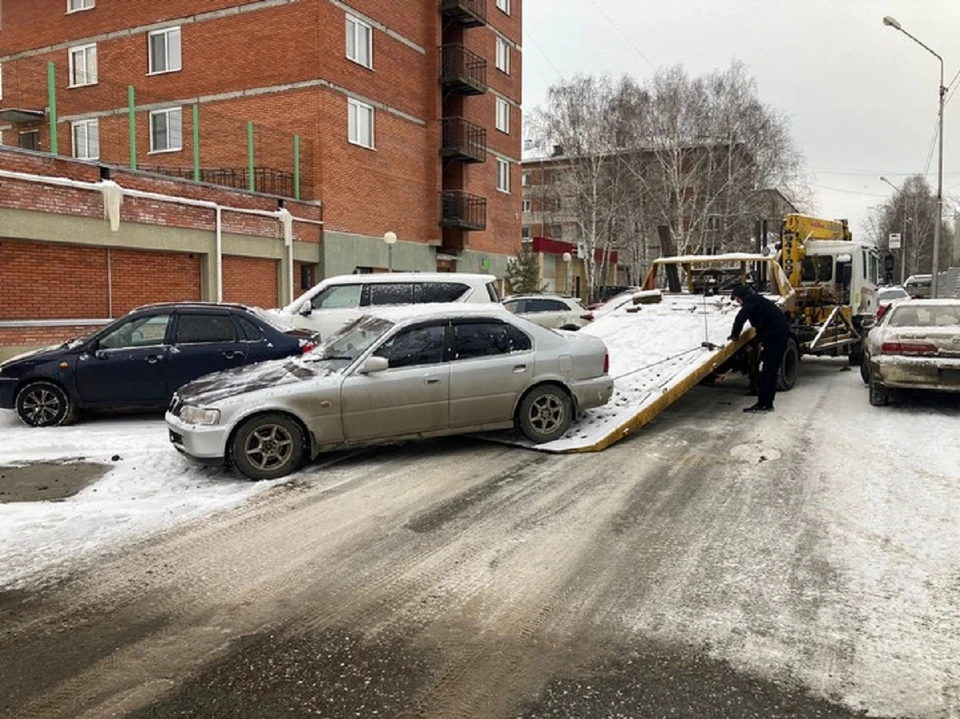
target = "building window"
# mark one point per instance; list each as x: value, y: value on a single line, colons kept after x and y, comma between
x: 75, y: 5
x: 86, y: 139
x: 525, y: 233
x: 163, y: 47
x: 714, y: 223
x: 503, y: 116
x: 526, y: 206
x: 557, y: 204
x: 83, y: 65
x: 359, y: 42
x: 360, y: 123
x: 503, y: 175
x: 525, y: 179
x: 166, y: 130
x: 556, y: 231
x: 29, y: 140
x: 503, y: 55
x: 503, y: 6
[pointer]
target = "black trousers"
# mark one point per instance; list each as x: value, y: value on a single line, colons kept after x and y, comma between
x: 771, y: 358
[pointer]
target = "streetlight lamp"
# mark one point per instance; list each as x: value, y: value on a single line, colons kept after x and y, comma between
x: 903, y: 232
x: 935, y: 271
x: 391, y: 239
x: 568, y: 258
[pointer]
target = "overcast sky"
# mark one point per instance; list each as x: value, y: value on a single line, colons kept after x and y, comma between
x: 861, y: 97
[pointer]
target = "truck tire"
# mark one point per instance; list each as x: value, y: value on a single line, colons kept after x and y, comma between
x: 787, y: 375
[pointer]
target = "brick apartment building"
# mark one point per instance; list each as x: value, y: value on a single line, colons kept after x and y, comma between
x: 406, y: 116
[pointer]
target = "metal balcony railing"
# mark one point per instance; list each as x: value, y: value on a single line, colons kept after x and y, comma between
x: 462, y: 70
x: 462, y: 140
x: 469, y: 13
x: 265, y: 179
x: 463, y: 210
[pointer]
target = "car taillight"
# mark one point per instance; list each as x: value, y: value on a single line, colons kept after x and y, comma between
x: 908, y: 348
x: 588, y: 317
x: 309, y: 347
x: 606, y: 363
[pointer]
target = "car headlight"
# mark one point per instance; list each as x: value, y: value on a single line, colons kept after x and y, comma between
x: 199, y: 415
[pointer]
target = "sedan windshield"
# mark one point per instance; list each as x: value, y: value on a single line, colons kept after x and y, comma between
x: 352, y: 341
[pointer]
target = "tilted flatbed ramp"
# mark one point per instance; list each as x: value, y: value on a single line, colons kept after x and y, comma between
x: 657, y: 353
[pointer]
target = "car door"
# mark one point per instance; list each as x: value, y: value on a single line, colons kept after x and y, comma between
x: 127, y: 365
x: 410, y: 397
x: 203, y: 342
x: 491, y: 364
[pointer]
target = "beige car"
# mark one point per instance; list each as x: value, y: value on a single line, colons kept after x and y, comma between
x: 405, y: 373
x: 556, y: 311
x: 915, y: 346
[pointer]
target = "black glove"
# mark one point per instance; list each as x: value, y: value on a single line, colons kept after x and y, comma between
x: 731, y: 338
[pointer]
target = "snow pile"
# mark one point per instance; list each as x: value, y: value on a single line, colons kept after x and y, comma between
x: 149, y: 488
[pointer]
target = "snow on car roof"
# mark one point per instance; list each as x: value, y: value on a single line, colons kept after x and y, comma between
x: 943, y: 301
x: 407, y: 277
x: 402, y: 313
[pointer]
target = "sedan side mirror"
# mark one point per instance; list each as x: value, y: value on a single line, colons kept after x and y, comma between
x: 306, y: 309
x: 372, y: 365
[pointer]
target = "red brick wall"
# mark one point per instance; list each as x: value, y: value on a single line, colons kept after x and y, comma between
x: 141, y: 278
x: 250, y: 281
x: 33, y: 336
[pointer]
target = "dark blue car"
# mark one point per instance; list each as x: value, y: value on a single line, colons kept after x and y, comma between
x: 139, y: 360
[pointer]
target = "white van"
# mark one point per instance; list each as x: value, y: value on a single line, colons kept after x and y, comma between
x: 338, y: 301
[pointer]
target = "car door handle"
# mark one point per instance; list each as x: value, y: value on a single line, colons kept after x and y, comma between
x: 153, y: 359
x: 232, y: 354
x: 431, y: 380
x: 520, y: 368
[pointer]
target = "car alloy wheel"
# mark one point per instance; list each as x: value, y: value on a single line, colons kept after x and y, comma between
x: 43, y: 404
x: 268, y: 447
x: 545, y: 414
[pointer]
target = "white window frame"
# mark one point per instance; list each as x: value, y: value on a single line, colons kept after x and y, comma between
x: 80, y: 5
x: 526, y: 206
x: 1, y: 80
x: 91, y: 151
x: 154, y: 150
x: 151, y: 61
x: 503, y: 55
x: 353, y: 33
x: 503, y: 176
x: 504, y: 6
x: 354, y: 137
x: 82, y: 51
x: 503, y: 116
x: 525, y: 179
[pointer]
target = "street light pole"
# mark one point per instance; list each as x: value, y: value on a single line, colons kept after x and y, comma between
x: 942, y: 91
x: 903, y: 232
x: 568, y: 259
x: 391, y: 239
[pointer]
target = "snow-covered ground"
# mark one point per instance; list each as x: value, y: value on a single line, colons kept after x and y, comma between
x: 149, y: 488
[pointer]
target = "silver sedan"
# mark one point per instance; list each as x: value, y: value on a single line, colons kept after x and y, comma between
x: 406, y: 373
x: 915, y: 346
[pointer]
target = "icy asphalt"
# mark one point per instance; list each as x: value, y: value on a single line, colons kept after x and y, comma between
x: 799, y: 564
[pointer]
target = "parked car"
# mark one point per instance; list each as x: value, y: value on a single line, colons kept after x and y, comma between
x: 886, y: 296
x: 337, y: 301
x: 556, y: 311
x: 139, y: 360
x: 614, y: 303
x: 915, y: 346
x: 405, y: 373
x: 919, y: 286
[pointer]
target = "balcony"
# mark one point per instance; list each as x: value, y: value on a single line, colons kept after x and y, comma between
x: 462, y: 71
x: 266, y: 180
x: 460, y: 209
x: 469, y: 13
x: 463, y: 140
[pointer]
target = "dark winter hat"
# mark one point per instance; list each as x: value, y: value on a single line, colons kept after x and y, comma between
x: 741, y: 291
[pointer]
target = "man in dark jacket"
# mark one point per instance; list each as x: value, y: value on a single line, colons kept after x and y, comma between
x: 773, y: 330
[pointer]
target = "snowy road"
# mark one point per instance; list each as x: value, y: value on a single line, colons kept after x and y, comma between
x: 798, y: 564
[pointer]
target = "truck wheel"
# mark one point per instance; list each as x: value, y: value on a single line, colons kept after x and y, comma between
x: 787, y: 376
x: 545, y: 414
x: 268, y: 446
x: 44, y: 404
x: 879, y: 393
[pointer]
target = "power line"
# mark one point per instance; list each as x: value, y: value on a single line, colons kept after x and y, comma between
x: 545, y: 56
x: 868, y: 173
x: 847, y: 192
x: 622, y: 34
